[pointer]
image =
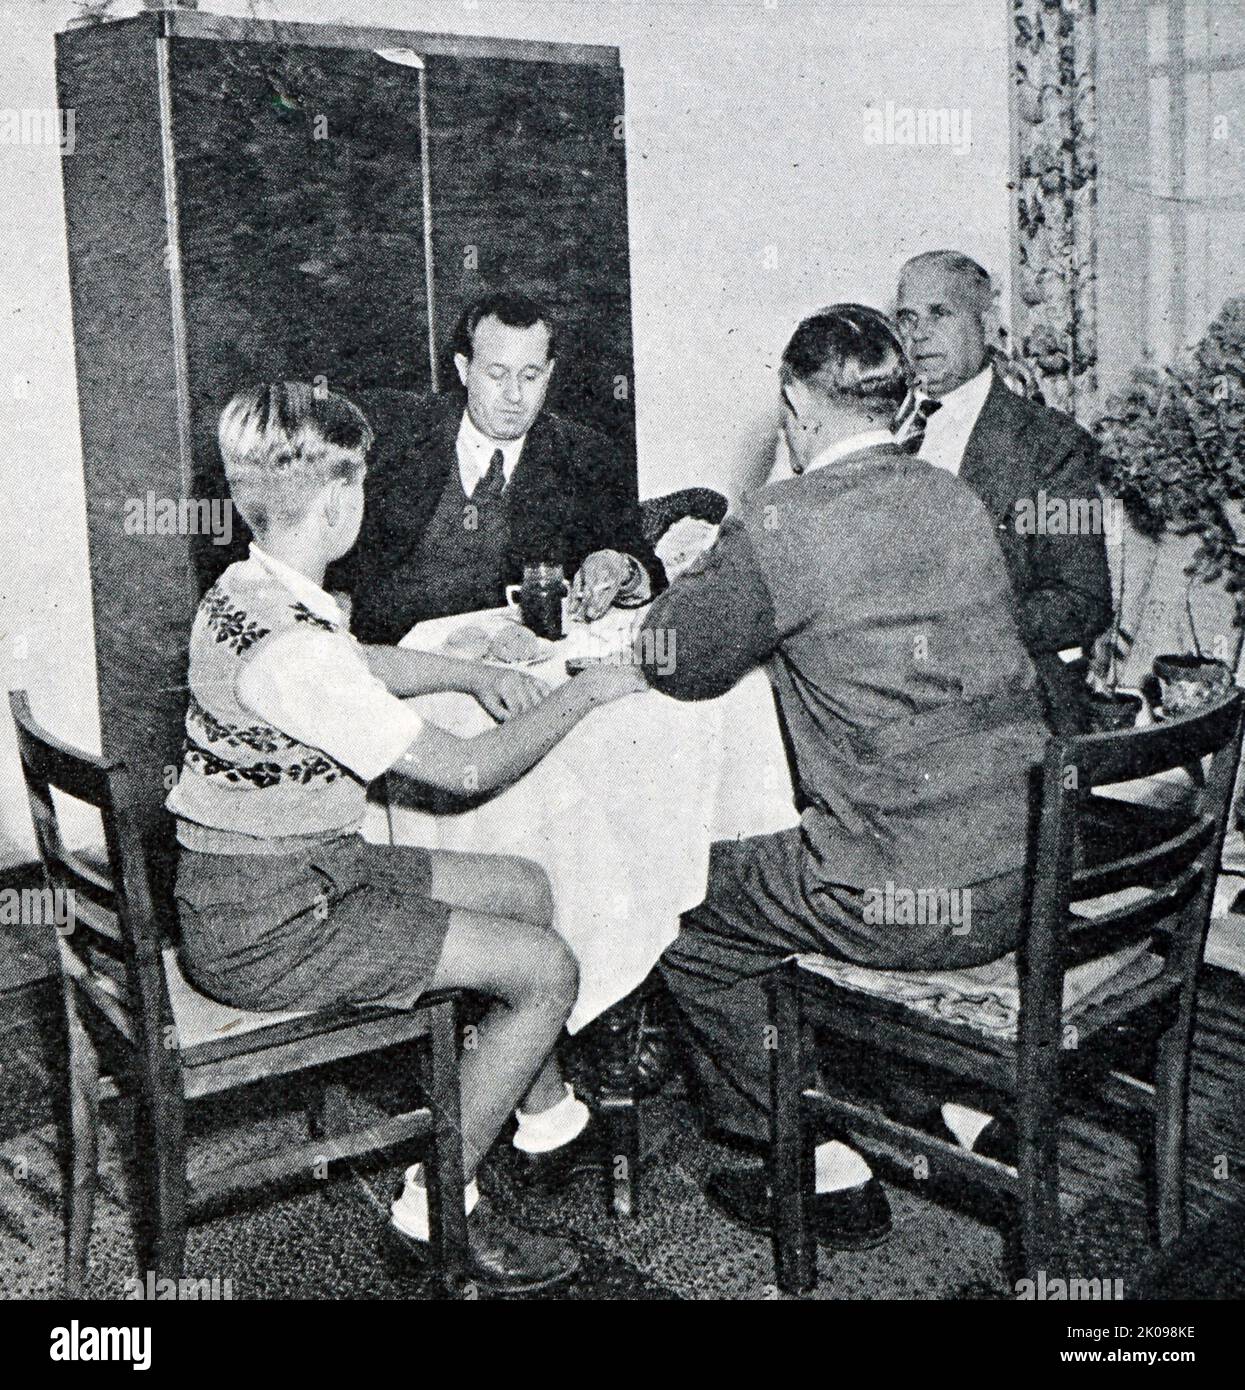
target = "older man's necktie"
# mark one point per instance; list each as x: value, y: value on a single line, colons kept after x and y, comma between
x: 493, y: 484
x: 910, y: 432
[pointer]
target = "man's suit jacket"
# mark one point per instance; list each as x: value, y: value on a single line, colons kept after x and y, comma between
x: 571, y: 493
x: 1017, y: 451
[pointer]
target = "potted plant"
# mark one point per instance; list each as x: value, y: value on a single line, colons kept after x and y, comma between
x: 1173, y: 445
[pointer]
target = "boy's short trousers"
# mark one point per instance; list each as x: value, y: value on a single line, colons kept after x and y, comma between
x: 345, y: 922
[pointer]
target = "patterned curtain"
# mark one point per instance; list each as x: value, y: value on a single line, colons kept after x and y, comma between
x: 1056, y: 171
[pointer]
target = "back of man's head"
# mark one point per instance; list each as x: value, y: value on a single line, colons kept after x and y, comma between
x: 849, y: 354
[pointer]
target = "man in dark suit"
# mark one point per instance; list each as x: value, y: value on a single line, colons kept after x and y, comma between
x: 460, y: 495
x: 871, y: 587
x: 1033, y: 467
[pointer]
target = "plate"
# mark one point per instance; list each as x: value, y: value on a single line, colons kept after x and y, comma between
x: 547, y: 652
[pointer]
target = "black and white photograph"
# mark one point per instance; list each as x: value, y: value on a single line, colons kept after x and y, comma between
x: 622, y: 624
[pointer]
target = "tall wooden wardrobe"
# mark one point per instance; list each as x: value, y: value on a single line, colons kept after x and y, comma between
x: 249, y: 201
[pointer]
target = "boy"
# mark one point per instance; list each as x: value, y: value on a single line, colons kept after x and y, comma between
x: 283, y: 905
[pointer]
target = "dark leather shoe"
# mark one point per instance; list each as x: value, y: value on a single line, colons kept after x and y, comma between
x: 501, y: 1258
x: 854, y: 1218
x: 551, y: 1171
x: 998, y: 1140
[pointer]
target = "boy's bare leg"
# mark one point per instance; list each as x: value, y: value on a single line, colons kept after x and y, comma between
x: 530, y: 975
x: 531, y: 980
x: 501, y: 885
x: 498, y: 885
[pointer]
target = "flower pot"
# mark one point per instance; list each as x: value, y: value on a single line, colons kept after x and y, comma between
x: 1112, y: 710
x: 1190, y: 682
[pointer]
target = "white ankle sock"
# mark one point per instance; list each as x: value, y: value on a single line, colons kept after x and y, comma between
x: 547, y: 1130
x: 409, y: 1212
x: 837, y: 1167
x: 964, y: 1123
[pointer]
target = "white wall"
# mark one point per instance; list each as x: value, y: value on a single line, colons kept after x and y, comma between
x: 753, y: 199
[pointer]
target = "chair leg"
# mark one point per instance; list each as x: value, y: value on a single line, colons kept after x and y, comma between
x: 160, y: 1147
x: 619, y: 1110
x: 1041, y: 1245
x: 443, y: 1159
x: 1171, y: 1096
x: 82, y: 1170
x: 328, y: 1112
x: 791, y: 1169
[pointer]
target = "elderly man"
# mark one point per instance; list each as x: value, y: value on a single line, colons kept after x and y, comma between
x: 461, y: 494
x: 872, y: 587
x: 1024, y: 460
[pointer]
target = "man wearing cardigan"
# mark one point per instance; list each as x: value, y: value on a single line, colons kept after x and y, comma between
x: 461, y: 494
x: 872, y: 587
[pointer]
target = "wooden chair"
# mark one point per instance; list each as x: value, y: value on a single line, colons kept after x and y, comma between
x: 124, y: 993
x: 1107, y: 874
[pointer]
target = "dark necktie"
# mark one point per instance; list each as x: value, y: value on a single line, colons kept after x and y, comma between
x: 911, y: 430
x: 493, y: 484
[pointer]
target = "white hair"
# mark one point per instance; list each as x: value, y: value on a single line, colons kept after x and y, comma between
x: 975, y: 275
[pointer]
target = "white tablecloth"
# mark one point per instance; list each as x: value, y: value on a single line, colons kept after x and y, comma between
x: 621, y: 813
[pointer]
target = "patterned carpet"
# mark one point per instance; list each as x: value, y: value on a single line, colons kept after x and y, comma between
x: 325, y: 1240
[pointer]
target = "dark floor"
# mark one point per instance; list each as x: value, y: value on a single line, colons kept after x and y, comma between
x: 325, y: 1241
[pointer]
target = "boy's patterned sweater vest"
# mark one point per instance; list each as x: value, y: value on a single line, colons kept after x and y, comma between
x: 246, y: 787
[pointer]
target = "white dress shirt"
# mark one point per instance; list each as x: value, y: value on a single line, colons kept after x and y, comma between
x: 316, y: 686
x: 855, y: 444
x: 948, y: 429
x: 476, y: 450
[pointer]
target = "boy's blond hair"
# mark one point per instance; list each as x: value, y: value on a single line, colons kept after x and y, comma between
x: 281, y: 443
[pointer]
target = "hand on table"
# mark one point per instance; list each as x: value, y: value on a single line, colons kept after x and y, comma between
x: 506, y: 693
x: 611, y: 681
x: 600, y: 579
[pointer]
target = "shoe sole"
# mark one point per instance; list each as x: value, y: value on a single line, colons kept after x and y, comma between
x: 548, y: 1186
x: 831, y: 1242
x: 530, y: 1286
x: 867, y: 1242
x: 400, y: 1250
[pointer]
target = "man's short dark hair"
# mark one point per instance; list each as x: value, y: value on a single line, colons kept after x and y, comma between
x: 514, y: 310
x: 849, y: 352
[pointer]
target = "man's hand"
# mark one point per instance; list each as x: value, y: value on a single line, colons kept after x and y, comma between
x: 506, y: 693
x: 600, y: 579
x: 610, y: 681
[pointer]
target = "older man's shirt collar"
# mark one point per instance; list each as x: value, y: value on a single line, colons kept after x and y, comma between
x: 965, y: 402
x: 948, y: 430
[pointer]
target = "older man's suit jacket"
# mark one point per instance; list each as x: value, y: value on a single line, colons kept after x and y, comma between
x: 1019, y: 450
x: 572, y: 492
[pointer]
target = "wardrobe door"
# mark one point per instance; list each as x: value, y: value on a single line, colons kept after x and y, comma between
x: 529, y: 191
x: 301, y: 226
x: 125, y: 344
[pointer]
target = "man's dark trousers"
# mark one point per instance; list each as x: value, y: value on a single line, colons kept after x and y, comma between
x: 755, y: 916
